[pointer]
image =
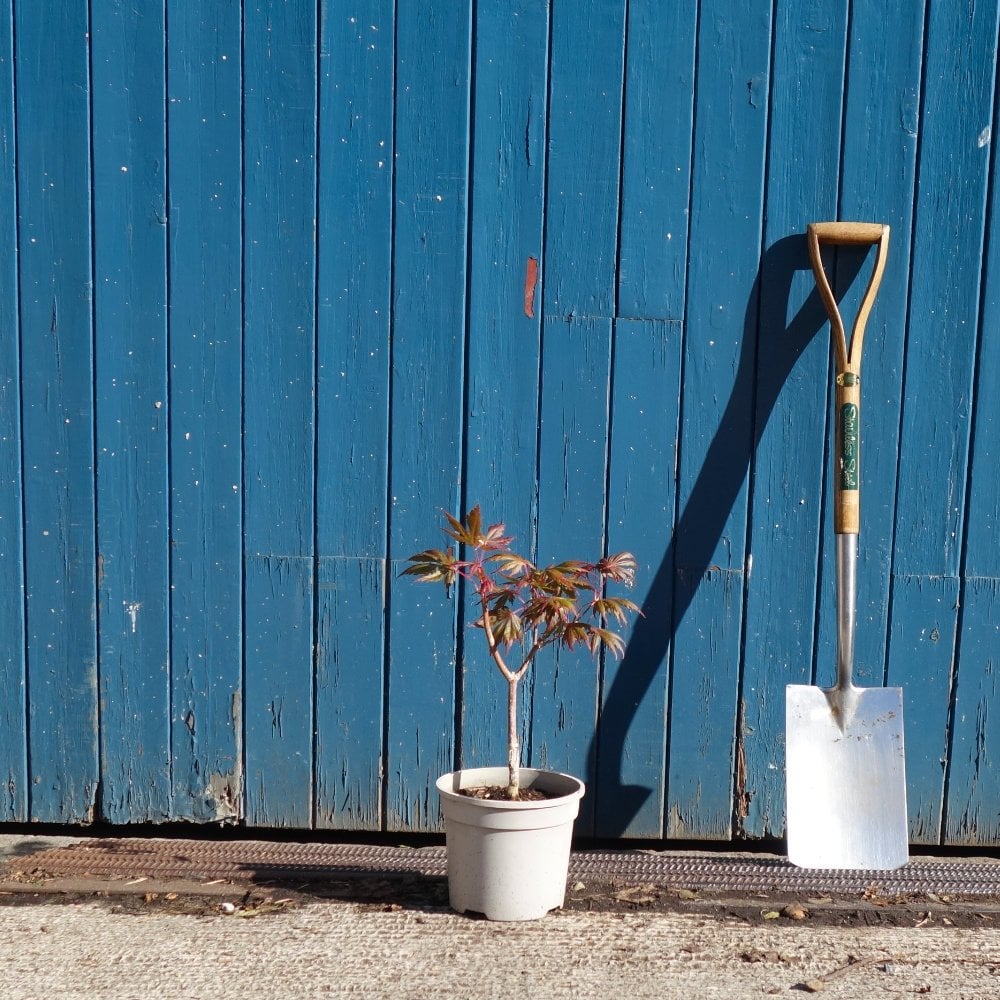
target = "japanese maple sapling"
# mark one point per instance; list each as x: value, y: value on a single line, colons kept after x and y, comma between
x: 524, y: 606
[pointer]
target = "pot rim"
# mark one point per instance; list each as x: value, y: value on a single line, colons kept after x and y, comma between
x: 448, y: 784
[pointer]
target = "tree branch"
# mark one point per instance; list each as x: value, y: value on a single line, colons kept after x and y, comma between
x: 491, y: 642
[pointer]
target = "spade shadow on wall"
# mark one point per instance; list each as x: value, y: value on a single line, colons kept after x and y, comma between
x: 779, y: 345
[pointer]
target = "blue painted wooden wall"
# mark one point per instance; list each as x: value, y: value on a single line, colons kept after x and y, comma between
x: 283, y: 278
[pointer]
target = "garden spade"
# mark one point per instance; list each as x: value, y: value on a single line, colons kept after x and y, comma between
x: 846, y: 790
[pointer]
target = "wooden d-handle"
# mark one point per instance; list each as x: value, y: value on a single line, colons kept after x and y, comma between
x: 847, y: 358
x: 848, y: 232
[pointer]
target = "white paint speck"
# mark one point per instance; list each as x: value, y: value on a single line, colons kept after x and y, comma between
x: 132, y: 610
x: 985, y: 136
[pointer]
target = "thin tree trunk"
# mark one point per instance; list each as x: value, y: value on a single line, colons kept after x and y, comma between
x: 513, y: 743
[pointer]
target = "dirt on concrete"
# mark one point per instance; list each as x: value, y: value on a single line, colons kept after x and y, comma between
x: 393, y: 935
x: 256, y: 880
x: 258, y: 898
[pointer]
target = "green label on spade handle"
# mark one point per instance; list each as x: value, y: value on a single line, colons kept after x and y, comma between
x: 849, y: 447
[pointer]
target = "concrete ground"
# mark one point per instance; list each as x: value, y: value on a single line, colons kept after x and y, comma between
x: 65, y: 944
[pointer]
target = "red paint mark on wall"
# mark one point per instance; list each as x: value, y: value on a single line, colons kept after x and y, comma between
x: 530, y: 281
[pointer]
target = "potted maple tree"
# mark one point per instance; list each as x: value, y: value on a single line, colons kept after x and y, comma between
x: 509, y: 828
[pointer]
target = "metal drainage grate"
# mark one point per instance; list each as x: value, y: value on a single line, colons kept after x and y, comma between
x: 243, y: 860
x: 769, y: 874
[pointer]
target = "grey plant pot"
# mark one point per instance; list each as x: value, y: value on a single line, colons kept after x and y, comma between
x: 508, y: 860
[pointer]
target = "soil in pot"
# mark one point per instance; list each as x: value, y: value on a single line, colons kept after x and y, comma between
x: 498, y: 793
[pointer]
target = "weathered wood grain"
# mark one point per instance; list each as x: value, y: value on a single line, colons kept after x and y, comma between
x: 646, y: 368
x: 951, y: 197
x: 584, y: 137
x: 54, y: 257
x: 951, y: 201
x: 792, y: 411
x: 972, y: 791
x: 130, y: 277
x: 13, y: 735
x: 973, y: 788
x: 884, y: 57
x: 564, y: 684
x: 279, y: 205
x: 631, y: 735
x: 204, y: 127
x: 433, y: 55
x: 656, y: 159
x: 716, y: 433
x: 921, y: 660
x: 581, y: 244
x: 353, y: 335
x: 306, y: 274
x: 505, y: 308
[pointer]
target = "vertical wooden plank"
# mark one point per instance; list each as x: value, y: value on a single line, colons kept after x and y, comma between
x: 574, y: 428
x: 884, y: 57
x: 656, y: 159
x: 953, y: 168
x: 54, y: 187
x: 505, y: 299
x: 429, y: 265
x: 13, y: 732
x: 791, y: 412
x: 130, y: 221
x: 645, y: 401
x: 205, y: 410
x: 717, y: 412
x: 354, y: 294
x: 973, y: 790
x: 972, y: 803
x: 631, y: 741
x: 279, y: 361
x: 581, y: 244
x: 922, y: 633
x: 587, y: 76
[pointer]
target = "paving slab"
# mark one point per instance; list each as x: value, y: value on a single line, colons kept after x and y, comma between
x: 345, y: 950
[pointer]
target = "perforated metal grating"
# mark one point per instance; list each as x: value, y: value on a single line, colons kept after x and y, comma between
x: 246, y: 860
